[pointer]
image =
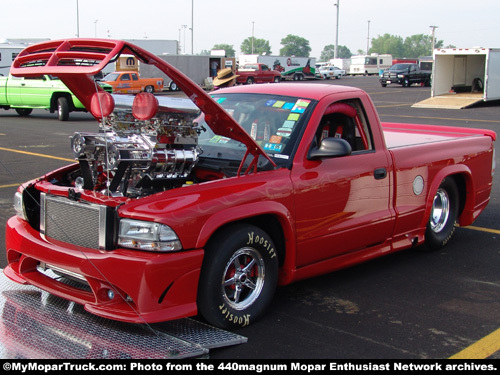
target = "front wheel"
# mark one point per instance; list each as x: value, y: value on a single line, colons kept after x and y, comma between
x: 238, y: 278
x: 444, y: 214
x: 24, y: 111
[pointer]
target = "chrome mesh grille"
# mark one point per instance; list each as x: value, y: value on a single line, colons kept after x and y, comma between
x: 80, y: 224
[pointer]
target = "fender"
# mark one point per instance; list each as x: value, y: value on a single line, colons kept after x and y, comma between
x: 458, y: 169
x: 246, y: 211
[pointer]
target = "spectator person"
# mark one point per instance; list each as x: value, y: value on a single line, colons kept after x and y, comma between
x: 225, y: 78
x: 214, y: 66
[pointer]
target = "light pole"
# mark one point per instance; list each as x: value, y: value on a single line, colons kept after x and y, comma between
x: 192, y: 27
x: 335, y: 53
x: 77, y: 21
x: 184, y: 44
x: 433, y: 32
x: 253, y: 27
x: 368, y: 39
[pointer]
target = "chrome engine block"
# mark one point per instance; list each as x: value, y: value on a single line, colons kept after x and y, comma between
x: 134, y: 157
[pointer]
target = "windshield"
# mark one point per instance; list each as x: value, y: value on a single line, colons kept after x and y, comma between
x: 274, y: 122
x: 111, y: 77
x: 400, y: 67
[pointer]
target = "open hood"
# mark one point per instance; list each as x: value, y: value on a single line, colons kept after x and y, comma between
x: 76, y: 61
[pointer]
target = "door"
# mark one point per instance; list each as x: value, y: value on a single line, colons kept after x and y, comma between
x: 342, y: 203
x: 13, y: 90
x: 36, y: 91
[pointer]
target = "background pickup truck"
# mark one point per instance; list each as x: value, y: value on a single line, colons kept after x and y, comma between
x: 45, y: 92
x: 129, y: 82
x: 207, y: 204
x: 406, y: 75
x: 257, y: 73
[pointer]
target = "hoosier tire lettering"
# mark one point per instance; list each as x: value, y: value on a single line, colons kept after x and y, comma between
x: 238, y: 277
x: 252, y: 239
x: 241, y: 321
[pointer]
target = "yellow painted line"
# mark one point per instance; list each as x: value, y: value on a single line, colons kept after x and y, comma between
x: 8, y: 186
x: 35, y: 154
x: 481, y: 349
x: 496, y: 231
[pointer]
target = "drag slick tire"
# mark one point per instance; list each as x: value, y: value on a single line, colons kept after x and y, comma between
x: 444, y: 213
x: 238, y: 278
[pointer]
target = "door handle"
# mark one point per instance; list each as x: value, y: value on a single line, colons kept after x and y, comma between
x: 380, y: 173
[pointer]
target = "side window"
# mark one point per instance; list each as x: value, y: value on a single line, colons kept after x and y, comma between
x: 125, y: 77
x: 134, y: 77
x: 346, y: 120
x: 264, y: 67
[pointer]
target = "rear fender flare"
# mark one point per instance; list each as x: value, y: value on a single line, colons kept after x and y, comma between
x: 466, y: 202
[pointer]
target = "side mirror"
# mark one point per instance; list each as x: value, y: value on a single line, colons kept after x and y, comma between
x: 330, y: 148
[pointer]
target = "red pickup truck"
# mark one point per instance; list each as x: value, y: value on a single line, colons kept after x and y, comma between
x: 257, y: 73
x: 205, y: 205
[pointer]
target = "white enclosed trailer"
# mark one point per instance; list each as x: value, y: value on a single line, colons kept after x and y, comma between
x: 464, y: 77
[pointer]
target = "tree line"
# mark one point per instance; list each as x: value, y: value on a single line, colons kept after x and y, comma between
x: 413, y: 46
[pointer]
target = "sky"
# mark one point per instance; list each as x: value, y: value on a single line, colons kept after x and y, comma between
x: 462, y: 24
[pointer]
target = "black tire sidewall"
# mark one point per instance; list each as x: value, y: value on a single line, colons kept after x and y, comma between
x: 62, y: 108
x: 219, y: 251
x: 437, y: 240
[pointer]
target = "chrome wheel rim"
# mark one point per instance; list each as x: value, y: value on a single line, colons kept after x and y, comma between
x: 243, y: 278
x: 440, y: 211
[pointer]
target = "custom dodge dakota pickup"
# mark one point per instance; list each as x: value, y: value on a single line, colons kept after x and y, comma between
x: 205, y: 204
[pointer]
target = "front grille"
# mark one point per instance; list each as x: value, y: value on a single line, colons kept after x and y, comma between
x: 77, y: 223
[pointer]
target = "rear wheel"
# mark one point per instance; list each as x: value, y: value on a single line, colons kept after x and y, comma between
x: 238, y: 277
x: 150, y: 89
x: 444, y: 214
x: 173, y: 86
x: 249, y: 81
x: 63, y: 108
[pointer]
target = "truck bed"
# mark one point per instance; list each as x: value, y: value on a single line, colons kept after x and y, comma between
x: 401, y: 135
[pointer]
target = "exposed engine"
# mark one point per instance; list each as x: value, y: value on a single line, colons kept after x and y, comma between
x: 142, y: 147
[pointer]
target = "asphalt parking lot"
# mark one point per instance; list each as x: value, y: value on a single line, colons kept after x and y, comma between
x: 409, y: 305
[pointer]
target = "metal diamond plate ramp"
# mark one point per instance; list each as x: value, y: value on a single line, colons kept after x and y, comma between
x: 35, y: 324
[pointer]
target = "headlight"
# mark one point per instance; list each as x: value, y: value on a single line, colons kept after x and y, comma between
x: 148, y: 236
x: 401, y: 75
x: 19, y: 205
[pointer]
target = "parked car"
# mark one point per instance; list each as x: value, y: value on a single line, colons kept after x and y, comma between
x: 257, y: 73
x: 130, y: 82
x: 42, y: 92
x: 405, y: 75
x: 327, y: 72
x: 204, y: 204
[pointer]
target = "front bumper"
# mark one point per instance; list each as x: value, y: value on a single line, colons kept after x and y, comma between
x: 147, y: 287
x: 389, y: 80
